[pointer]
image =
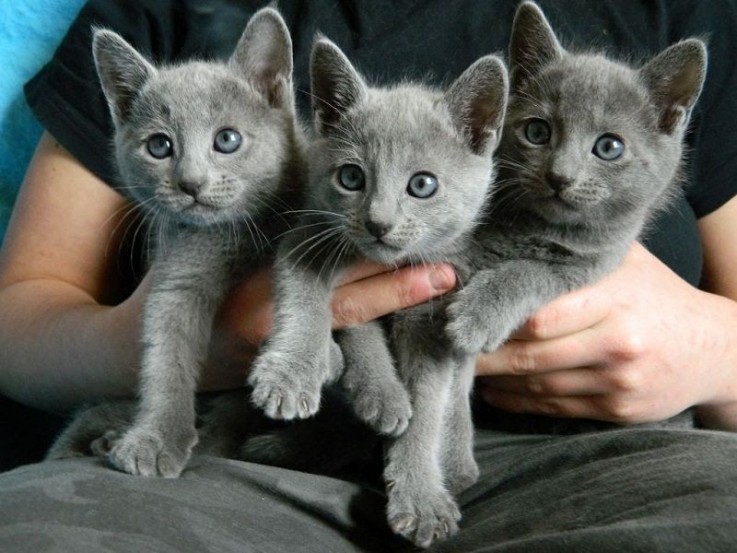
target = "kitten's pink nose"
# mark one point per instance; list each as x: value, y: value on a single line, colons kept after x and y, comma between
x: 191, y: 188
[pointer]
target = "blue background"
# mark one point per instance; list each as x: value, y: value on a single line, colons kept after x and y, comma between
x: 30, y: 31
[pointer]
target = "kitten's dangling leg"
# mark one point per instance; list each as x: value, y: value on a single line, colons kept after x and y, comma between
x: 298, y: 358
x: 377, y: 395
x: 420, y: 508
x: 460, y: 469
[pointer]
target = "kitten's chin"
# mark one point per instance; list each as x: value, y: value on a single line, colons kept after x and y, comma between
x: 382, y: 252
x: 559, y: 209
x: 202, y: 215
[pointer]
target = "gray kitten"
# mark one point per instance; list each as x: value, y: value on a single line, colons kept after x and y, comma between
x: 214, y: 152
x: 398, y: 175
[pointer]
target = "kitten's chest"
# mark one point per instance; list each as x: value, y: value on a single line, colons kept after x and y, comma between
x: 235, y: 249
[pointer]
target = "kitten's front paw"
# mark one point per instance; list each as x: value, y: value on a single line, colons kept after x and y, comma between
x: 385, y: 408
x: 422, y: 515
x: 146, y: 452
x: 471, y: 325
x: 285, y: 387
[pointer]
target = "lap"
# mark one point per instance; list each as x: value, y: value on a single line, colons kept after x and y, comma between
x: 617, y: 490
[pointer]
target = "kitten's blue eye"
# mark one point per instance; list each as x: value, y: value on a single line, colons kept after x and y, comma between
x: 537, y: 132
x: 608, y: 147
x: 227, y: 141
x: 351, y: 177
x: 159, y: 146
x: 422, y: 185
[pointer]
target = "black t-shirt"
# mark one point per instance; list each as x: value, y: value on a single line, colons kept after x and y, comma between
x: 431, y: 40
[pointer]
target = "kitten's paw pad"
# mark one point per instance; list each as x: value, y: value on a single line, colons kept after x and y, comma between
x: 423, y: 518
x: 147, y: 453
x: 284, y: 389
x: 385, y: 409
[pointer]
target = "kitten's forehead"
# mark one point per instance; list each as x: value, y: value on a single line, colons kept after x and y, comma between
x: 590, y: 90
x: 406, y: 121
x: 199, y: 92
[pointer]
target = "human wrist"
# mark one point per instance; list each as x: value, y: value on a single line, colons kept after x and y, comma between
x: 719, y: 409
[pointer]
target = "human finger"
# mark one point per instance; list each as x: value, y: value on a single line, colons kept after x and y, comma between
x: 364, y: 300
x: 526, y: 357
x: 583, y: 381
x: 569, y: 313
x: 363, y: 268
x: 552, y: 406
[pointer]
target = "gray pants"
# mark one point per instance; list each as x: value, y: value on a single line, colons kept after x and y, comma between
x: 624, y: 491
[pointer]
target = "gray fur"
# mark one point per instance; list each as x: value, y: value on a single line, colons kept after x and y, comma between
x: 392, y: 134
x: 216, y: 214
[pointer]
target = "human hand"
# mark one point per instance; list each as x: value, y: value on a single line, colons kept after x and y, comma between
x: 366, y: 291
x: 641, y: 345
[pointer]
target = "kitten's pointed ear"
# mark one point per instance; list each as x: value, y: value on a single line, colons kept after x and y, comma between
x: 263, y: 56
x: 675, y: 78
x: 533, y: 44
x: 478, y: 101
x: 336, y: 85
x: 122, y: 71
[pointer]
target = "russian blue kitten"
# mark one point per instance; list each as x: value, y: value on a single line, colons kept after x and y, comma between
x: 591, y: 149
x: 397, y: 175
x: 212, y: 151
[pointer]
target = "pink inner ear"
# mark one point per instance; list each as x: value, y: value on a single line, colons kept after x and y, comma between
x: 671, y: 118
x: 269, y: 82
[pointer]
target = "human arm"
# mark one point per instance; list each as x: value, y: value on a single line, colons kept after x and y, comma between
x: 640, y: 345
x: 56, y: 285
x: 69, y: 324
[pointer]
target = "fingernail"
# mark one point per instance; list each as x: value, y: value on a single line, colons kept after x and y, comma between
x: 442, y: 278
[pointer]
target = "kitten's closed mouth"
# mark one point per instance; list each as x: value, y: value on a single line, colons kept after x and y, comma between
x: 380, y: 251
x: 381, y: 244
x: 198, y: 206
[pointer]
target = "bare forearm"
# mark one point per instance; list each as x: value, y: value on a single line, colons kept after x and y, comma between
x: 59, y: 348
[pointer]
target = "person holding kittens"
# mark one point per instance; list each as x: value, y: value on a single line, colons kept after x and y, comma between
x: 653, y: 340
